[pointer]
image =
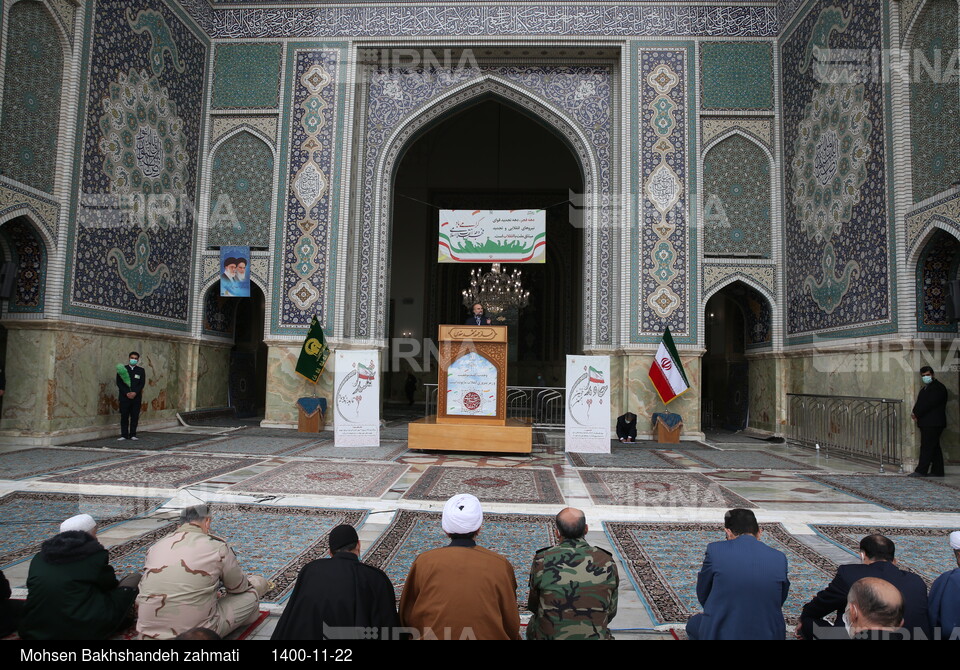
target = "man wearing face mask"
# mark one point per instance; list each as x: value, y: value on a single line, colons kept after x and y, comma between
x: 930, y: 415
x: 130, y: 381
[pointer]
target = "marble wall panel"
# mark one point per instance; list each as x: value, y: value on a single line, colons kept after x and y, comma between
x: 641, y: 397
x: 285, y: 386
x: 213, y: 374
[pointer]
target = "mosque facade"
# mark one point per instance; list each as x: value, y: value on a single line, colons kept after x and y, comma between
x: 800, y: 158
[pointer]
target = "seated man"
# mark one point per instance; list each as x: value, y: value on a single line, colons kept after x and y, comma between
x: 573, y: 586
x: 945, y: 597
x: 877, y: 560
x: 339, y: 597
x: 10, y: 610
x: 874, y: 610
x: 461, y: 591
x: 73, y: 593
x: 627, y: 427
x: 742, y: 585
x: 183, y: 572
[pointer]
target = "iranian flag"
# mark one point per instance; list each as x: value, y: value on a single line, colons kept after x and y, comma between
x: 666, y: 371
x: 596, y: 376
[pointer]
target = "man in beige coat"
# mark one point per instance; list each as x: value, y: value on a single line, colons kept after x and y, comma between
x: 183, y: 572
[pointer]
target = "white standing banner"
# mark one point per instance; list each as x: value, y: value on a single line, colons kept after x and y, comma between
x: 357, y: 399
x: 587, y: 424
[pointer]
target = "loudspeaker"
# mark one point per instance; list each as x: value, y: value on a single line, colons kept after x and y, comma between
x: 8, y: 279
x: 953, y: 300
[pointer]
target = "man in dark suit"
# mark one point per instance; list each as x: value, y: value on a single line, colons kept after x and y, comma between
x: 478, y: 318
x: 742, y: 585
x: 130, y: 384
x: 930, y: 414
x: 877, y: 560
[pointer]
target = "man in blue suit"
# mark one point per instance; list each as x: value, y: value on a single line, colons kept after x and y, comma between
x: 877, y: 554
x: 742, y: 585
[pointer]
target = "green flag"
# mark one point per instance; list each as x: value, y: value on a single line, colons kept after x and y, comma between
x: 313, y: 356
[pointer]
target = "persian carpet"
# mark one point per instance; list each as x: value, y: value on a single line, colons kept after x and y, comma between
x: 516, y: 536
x: 325, y: 478
x: 272, y: 541
x: 251, y: 446
x: 732, y: 459
x: 896, y: 491
x: 658, y: 489
x: 502, y: 485
x: 157, y: 471
x: 622, y: 456
x: 663, y: 560
x: 30, y: 518
x: 30, y: 462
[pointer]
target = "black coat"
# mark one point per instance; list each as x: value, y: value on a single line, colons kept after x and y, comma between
x: 931, y: 406
x: 338, y: 592
x: 72, y: 591
x: 138, y: 377
x: 834, y: 597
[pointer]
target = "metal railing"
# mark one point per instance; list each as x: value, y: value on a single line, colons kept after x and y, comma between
x: 545, y: 405
x: 866, y: 429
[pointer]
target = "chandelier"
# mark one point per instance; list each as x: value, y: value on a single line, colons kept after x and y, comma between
x: 496, y: 291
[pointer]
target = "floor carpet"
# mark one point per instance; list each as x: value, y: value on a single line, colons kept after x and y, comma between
x: 731, y: 459
x: 502, y: 485
x: 325, y: 478
x: 145, y: 441
x: 925, y: 551
x: 625, y: 457
x: 899, y: 492
x: 658, y: 489
x: 275, y: 542
x: 516, y: 536
x: 663, y: 560
x: 284, y: 433
x: 157, y: 471
x: 30, y: 518
x: 251, y: 446
x: 387, y: 451
x: 726, y: 437
x: 39, y: 461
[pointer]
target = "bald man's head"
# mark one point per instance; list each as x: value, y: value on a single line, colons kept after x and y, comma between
x: 571, y: 523
x: 876, y: 604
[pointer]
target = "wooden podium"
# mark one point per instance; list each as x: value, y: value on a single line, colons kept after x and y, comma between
x: 472, y: 396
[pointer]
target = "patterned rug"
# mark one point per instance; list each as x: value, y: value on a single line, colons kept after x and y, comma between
x: 275, y: 542
x: 730, y: 459
x: 516, y: 536
x: 387, y: 451
x: 284, y: 433
x: 158, y: 471
x: 27, y: 519
x: 663, y: 560
x: 625, y: 457
x: 502, y: 485
x: 324, y: 478
x: 899, y: 492
x: 925, y: 551
x: 658, y: 489
x: 252, y: 446
x: 725, y: 437
x: 145, y: 441
x: 31, y: 462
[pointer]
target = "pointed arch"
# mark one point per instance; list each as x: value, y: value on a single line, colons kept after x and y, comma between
x: 376, y: 273
x: 246, y: 178
x: 29, y: 248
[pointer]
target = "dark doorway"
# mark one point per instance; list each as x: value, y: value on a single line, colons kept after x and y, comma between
x: 248, y: 357
x: 725, y: 368
x: 488, y: 155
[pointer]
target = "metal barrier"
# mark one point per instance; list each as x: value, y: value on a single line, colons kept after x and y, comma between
x: 547, y: 406
x: 866, y: 429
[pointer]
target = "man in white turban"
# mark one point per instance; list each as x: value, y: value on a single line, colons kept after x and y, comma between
x: 461, y: 591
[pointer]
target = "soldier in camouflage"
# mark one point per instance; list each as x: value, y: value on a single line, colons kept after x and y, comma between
x: 573, y: 586
x: 184, y: 572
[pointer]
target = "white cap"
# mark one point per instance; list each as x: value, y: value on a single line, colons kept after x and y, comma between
x: 955, y: 539
x: 462, y: 514
x: 82, y: 522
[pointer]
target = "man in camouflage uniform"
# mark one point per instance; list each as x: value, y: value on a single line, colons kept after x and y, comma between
x: 183, y: 573
x: 573, y: 586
